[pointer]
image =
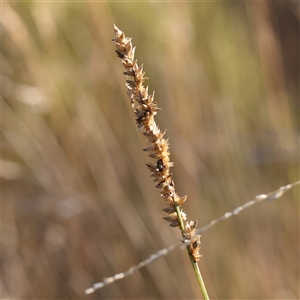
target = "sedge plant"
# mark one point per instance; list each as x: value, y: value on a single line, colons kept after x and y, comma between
x: 145, y: 110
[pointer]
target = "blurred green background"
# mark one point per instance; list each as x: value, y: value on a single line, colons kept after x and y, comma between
x: 78, y: 203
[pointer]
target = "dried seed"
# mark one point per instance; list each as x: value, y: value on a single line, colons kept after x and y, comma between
x: 120, y: 53
x: 129, y: 73
x: 181, y: 200
x: 174, y: 224
x: 170, y: 219
x: 169, y: 209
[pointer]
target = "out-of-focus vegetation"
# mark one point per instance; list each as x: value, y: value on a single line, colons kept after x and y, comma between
x: 77, y: 201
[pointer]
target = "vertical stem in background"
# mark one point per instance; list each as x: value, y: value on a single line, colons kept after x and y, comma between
x: 145, y: 109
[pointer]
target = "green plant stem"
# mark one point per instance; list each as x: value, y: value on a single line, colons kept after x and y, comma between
x: 199, y: 276
x: 194, y: 264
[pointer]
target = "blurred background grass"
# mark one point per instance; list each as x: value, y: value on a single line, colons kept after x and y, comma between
x: 78, y: 202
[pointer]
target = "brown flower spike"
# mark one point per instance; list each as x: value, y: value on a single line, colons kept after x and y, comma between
x: 145, y: 110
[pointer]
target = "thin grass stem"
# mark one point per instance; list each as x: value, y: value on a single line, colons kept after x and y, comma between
x: 199, y: 277
x: 193, y: 262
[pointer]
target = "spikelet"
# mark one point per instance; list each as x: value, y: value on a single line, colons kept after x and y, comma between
x: 145, y: 109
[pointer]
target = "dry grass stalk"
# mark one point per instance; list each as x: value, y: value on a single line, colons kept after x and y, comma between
x: 145, y: 110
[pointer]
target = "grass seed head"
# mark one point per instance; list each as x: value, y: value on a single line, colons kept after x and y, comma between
x: 145, y: 109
